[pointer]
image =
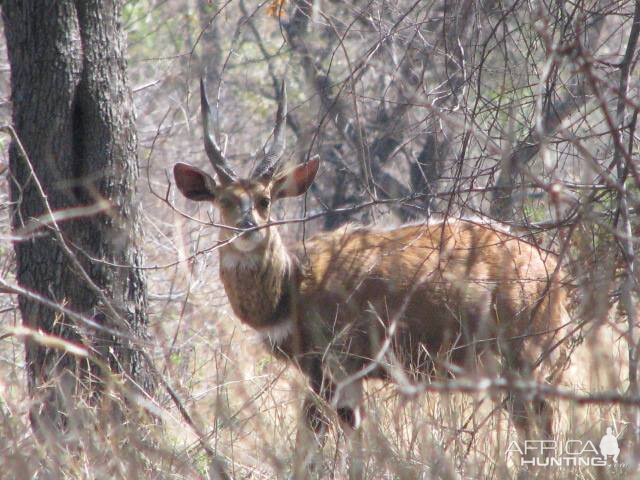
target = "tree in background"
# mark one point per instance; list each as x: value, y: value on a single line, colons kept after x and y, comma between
x: 75, y: 152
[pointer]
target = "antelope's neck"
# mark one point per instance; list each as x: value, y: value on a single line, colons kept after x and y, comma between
x: 258, y: 285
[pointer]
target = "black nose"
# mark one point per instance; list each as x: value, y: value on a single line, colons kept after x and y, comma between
x: 246, y: 223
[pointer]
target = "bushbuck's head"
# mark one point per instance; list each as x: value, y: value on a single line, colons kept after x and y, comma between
x: 245, y: 203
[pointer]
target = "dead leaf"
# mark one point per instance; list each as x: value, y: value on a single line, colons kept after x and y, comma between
x: 276, y: 8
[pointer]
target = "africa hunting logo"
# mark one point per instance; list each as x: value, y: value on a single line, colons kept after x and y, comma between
x: 554, y: 453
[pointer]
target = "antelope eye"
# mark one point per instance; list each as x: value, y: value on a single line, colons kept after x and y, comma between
x: 264, y: 202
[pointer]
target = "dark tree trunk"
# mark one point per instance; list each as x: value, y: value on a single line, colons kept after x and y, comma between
x: 73, y: 112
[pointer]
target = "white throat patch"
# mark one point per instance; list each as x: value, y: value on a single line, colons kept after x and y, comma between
x: 276, y: 334
x: 232, y: 260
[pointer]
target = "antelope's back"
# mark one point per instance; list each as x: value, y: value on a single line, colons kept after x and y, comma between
x: 440, y: 283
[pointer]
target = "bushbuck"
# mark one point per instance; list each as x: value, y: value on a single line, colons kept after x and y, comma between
x: 366, y: 302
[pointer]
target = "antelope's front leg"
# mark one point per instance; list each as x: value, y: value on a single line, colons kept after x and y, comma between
x: 314, y: 419
x: 347, y: 401
x: 344, y: 399
x: 310, y: 438
x: 312, y: 431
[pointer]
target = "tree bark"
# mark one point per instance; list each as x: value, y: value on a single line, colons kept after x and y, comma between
x: 73, y: 112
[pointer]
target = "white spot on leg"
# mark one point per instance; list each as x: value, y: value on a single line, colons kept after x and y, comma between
x: 357, y: 412
x: 349, y: 396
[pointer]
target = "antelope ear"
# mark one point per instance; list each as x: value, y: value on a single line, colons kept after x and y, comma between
x: 194, y: 183
x: 296, y: 181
